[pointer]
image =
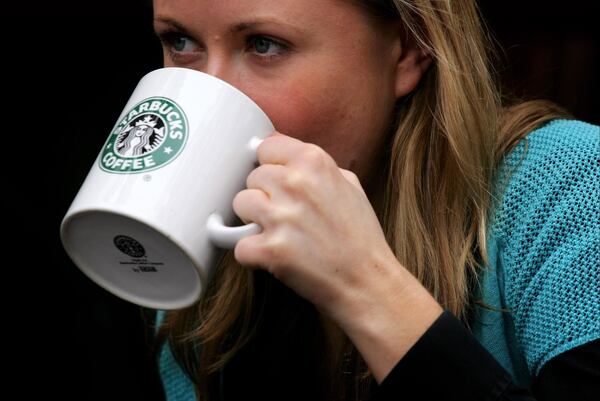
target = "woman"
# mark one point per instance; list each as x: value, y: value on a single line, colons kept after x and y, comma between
x: 396, y: 201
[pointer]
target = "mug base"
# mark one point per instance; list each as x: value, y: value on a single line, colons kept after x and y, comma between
x: 131, y: 260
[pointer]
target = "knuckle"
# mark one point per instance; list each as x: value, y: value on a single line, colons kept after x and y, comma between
x: 290, y: 214
x: 313, y: 155
x: 352, y: 177
x: 294, y: 180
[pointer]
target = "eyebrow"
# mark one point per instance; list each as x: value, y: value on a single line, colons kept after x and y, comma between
x: 249, y: 25
x: 172, y: 22
x: 237, y: 28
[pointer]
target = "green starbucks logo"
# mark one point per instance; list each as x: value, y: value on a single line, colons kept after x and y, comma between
x: 151, y: 135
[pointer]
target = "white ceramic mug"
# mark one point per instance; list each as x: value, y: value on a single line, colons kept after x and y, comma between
x: 149, y: 222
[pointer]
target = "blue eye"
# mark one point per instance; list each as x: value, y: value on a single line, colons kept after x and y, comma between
x: 265, y: 46
x: 177, y: 42
x: 182, y: 43
x: 262, y: 45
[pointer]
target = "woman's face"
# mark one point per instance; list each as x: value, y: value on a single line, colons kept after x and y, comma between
x: 321, y: 69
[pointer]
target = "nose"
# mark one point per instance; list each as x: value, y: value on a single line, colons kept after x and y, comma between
x: 221, y: 64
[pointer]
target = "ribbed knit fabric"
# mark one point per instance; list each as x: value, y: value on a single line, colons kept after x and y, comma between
x: 543, y: 249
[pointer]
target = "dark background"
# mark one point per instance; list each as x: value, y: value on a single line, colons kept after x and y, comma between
x: 74, y: 65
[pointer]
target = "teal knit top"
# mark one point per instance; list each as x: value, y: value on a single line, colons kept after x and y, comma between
x: 540, y: 290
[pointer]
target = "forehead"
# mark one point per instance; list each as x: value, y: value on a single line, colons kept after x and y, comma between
x: 305, y: 12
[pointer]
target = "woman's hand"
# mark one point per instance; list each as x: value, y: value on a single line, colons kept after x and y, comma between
x: 320, y: 234
x: 321, y: 237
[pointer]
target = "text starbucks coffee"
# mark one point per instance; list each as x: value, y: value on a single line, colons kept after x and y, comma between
x: 151, y: 135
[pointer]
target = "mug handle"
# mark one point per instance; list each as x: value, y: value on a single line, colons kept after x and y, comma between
x: 227, y: 237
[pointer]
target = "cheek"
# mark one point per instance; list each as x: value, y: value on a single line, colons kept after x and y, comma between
x: 310, y: 113
x: 292, y: 108
x: 347, y: 121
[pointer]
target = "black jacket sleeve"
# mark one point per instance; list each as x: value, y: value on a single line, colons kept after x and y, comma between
x: 449, y: 363
x: 572, y: 375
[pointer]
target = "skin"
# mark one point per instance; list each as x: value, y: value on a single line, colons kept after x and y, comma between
x: 330, y: 91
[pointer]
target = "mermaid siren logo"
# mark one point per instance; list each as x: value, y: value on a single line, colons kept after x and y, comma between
x: 151, y: 135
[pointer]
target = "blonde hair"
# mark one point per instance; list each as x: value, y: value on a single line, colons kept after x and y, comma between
x: 450, y: 134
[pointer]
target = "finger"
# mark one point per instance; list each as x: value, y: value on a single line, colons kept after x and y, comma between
x: 250, y: 205
x: 278, y: 149
x: 266, y: 177
x: 248, y: 252
x: 282, y: 149
x: 264, y: 251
